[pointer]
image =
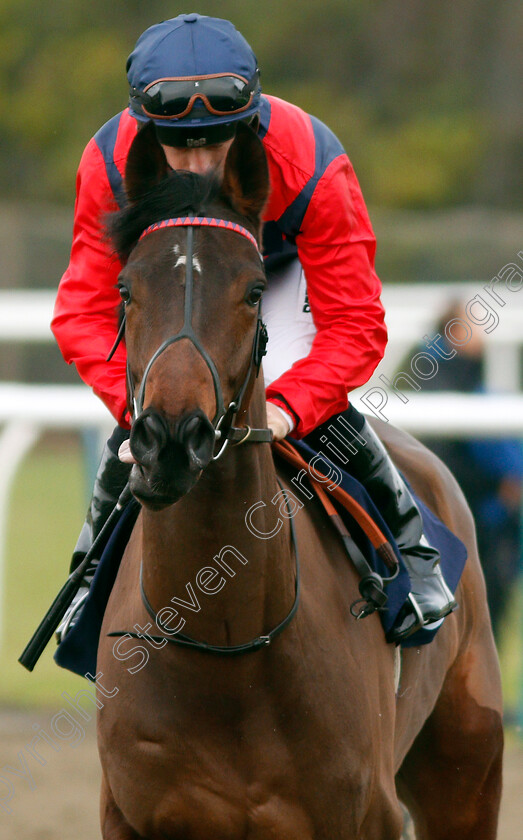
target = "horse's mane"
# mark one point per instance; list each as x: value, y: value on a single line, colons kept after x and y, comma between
x: 179, y: 194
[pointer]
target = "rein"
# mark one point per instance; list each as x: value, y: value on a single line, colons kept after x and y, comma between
x: 223, y: 650
x: 223, y: 423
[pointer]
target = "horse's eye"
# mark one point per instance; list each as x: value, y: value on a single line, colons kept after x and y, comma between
x: 125, y: 294
x: 254, y: 294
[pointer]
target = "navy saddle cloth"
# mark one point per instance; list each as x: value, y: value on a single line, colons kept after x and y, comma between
x: 78, y: 651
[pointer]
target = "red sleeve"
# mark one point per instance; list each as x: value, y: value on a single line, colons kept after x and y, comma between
x: 336, y: 247
x: 85, y: 314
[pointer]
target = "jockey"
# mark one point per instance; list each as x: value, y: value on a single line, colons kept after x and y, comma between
x: 195, y: 77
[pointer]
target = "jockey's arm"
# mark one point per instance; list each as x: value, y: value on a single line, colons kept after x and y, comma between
x: 336, y: 247
x: 85, y: 315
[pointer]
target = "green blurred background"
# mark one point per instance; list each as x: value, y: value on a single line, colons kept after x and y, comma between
x: 425, y: 94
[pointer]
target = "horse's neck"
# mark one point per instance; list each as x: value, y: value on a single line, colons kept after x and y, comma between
x: 208, y: 542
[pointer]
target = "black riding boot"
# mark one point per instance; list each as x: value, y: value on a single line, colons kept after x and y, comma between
x: 110, y: 480
x: 349, y: 439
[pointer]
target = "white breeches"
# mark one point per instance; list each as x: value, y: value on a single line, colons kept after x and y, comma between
x: 286, y: 311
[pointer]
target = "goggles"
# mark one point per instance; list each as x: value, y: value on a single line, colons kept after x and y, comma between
x: 223, y: 94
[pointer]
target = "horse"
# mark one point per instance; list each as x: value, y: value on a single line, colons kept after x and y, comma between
x: 274, y: 714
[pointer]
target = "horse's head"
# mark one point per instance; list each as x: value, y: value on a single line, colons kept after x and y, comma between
x: 191, y: 288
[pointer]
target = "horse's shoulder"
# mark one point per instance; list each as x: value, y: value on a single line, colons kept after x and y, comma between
x: 429, y: 477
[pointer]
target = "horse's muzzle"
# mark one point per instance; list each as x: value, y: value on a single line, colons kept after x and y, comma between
x: 170, y: 456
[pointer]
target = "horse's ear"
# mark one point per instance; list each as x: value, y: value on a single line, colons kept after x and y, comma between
x: 246, y: 173
x: 146, y: 163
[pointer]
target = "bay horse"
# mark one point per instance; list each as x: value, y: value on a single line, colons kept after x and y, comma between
x: 301, y: 734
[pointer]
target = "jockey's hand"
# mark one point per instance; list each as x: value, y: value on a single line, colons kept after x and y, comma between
x: 278, y: 421
x: 124, y: 453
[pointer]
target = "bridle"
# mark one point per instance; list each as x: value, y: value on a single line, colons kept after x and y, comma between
x: 222, y: 422
x: 224, y: 418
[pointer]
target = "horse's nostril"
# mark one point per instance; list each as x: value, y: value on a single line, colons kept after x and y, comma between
x: 195, y: 434
x: 191, y: 444
x: 149, y: 435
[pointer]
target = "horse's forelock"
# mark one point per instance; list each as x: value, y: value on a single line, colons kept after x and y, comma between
x: 181, y: 194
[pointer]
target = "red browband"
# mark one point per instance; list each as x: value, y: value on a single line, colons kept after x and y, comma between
x: 202, y: 221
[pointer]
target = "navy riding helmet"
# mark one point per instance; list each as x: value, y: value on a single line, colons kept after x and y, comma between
x: 194, y: 76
